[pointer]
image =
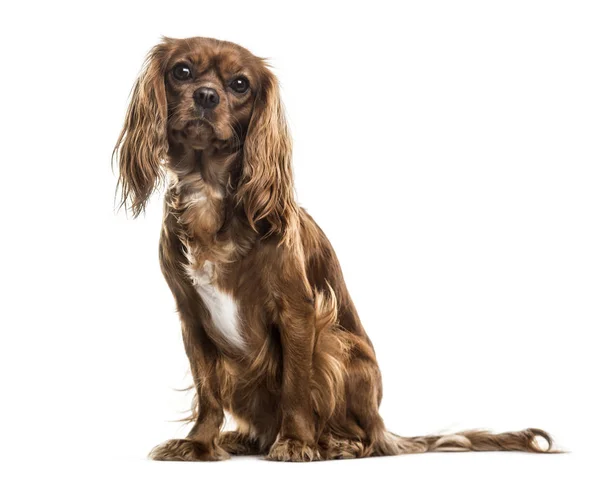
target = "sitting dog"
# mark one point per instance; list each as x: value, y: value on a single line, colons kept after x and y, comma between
x: 269, y: 328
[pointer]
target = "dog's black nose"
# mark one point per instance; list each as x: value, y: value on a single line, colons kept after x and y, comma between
x: 206, y: 97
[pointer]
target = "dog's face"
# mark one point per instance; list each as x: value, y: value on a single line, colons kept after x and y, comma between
x: 210, y: 88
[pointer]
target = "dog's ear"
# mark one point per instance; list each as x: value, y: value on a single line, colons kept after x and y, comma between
x: 266, y: 189
x: 143, y: 142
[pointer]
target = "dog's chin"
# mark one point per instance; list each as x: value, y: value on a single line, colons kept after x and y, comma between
x: 199, y: 134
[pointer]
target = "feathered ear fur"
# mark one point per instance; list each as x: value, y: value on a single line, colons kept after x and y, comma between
x: 143, y: 143
x: 266, y: 189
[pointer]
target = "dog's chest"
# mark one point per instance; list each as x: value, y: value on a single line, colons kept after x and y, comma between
x: 222, y: 306
x: 203, y: 273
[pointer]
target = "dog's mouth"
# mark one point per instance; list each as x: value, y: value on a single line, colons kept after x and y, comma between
x: 200, y: 125
x: 196, y: 133
x: 201, y: 133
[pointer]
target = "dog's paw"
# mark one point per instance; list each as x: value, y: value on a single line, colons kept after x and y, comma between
x: 187, y: 450
x: 286, y: 449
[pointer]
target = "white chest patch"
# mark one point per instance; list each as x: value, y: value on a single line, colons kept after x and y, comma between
x: 221, y: 305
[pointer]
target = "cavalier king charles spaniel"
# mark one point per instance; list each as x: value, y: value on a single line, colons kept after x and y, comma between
x: 269, y: 328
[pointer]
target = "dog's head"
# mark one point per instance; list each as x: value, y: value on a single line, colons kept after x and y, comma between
x: 207, y: 95
x: 210, y: 89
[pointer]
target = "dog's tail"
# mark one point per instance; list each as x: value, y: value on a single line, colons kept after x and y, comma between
x: 531, y: 440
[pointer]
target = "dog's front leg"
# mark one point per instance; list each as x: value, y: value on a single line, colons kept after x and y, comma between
x: 201, y: 442
x: 296, y: 440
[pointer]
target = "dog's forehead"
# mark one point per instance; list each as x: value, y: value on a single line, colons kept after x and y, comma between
x: 225, y: 56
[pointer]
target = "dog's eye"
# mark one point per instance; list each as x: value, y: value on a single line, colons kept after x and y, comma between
x: 239, y: 84
x: 182, y: 72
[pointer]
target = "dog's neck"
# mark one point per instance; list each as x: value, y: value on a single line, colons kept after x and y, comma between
x: 200, y: 195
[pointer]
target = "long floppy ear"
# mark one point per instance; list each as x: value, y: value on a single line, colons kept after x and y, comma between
x: 266, y: 187
x: 143, y: 143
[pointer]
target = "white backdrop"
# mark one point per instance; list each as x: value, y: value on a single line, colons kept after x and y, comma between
x: 462, y: 199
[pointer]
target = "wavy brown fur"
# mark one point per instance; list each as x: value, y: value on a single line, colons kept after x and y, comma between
x: 296, y: 369
x: 143, y: 143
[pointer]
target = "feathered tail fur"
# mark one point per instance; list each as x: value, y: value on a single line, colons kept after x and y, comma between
x: 529, y: 440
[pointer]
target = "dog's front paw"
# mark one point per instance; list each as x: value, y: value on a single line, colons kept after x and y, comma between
x: 187, y: 450
x: 286, y: 449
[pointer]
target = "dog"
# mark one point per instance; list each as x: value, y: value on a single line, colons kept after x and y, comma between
x: 269, y: 328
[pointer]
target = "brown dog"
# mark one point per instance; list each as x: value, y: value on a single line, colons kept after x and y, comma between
x: 268, y: 325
